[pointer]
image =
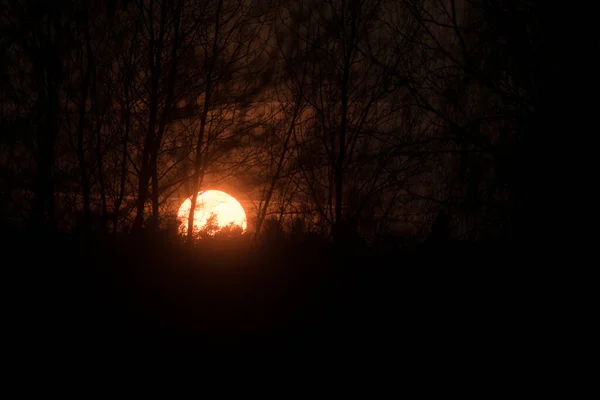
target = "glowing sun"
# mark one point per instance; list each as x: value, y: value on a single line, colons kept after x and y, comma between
x: 226, y: 209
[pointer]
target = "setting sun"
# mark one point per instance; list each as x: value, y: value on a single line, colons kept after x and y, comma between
x: 226, y: 209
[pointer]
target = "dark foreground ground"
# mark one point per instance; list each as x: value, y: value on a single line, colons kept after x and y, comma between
x: 152, y: 295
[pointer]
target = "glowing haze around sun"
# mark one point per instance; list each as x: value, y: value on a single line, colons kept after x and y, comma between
x: 226, y: 208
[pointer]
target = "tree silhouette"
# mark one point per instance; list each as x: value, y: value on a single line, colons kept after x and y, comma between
x: 230, y: 230
x: 210, y: 228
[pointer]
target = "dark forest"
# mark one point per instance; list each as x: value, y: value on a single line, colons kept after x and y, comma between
x: 381, y: 151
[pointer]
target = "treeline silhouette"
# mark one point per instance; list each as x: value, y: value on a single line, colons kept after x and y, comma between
x: 370, y: 116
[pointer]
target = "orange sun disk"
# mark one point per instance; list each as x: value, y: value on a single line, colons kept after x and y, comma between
x: 226, y: 208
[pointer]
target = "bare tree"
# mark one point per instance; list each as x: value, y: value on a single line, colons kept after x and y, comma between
x: 39, y: 30
x: 352, y: 137
x: 163, y: 29
x: 476, y: 81
x: 231, y: 54
x: 291, y: 106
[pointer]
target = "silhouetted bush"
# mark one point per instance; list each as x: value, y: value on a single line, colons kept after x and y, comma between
x: 229, y: 231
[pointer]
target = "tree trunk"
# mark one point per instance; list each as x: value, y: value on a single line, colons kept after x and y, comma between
x: 339, y: 162
x: 162, y: 123
x: 43, y: 205
x: 99, y: 152
x: 262, y: 212
x: 85, y: 180
x: 124, y: 156
x: 199, y: 160
x: 154, y: 57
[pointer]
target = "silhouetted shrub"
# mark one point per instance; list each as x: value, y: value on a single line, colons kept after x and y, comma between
x: 231, y: 230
